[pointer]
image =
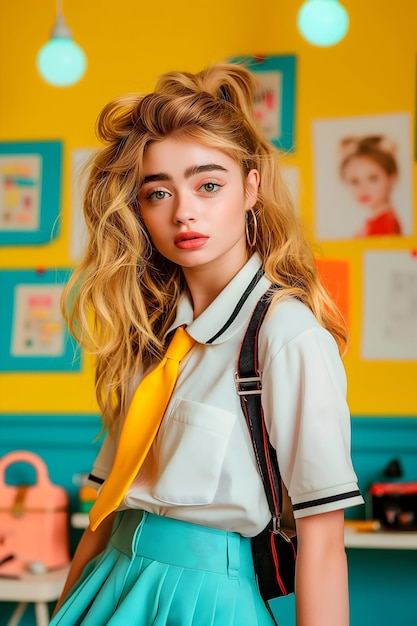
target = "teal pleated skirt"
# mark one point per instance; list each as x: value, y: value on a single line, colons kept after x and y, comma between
x: 162, y: 572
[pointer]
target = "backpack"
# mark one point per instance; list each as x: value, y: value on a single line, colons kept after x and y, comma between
x: 275, y: 548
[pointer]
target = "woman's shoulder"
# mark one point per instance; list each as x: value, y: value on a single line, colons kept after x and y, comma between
x: 288, y: 319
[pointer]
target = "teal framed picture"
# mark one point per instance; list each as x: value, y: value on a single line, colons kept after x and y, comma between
x: 30, y: 192
x: 275, y: 103
x: 34, y: 337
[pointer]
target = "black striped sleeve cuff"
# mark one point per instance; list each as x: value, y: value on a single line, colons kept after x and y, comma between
x: 95, y: 479
x: 328, y: 503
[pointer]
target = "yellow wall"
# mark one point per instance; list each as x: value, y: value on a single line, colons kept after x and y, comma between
x: 128, y: 43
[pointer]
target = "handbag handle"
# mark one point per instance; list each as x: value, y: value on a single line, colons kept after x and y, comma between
x: 24, y: 456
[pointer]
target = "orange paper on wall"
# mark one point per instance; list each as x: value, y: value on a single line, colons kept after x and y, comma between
x: 334, y: 275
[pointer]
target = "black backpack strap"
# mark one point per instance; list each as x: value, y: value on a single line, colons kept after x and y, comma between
x: 248, y: 380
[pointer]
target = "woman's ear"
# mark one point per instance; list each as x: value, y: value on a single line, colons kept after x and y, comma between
x: 252, y: 185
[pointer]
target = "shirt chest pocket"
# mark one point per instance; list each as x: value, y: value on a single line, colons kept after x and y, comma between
x: 191, y: 448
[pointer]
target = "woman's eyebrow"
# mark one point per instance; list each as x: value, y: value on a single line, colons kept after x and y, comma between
x: 190, y: 171
x: 155, y: 177
x: 198, y: 169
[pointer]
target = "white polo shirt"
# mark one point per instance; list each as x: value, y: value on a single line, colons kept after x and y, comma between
x: 201, y: 467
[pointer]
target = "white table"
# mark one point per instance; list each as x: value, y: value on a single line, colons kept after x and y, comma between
x: 38, y: 589
x: 382, y: 540
x: 79, y: 520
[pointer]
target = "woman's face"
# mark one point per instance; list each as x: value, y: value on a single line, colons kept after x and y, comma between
x: 368, y: 182
x: 193, y: 201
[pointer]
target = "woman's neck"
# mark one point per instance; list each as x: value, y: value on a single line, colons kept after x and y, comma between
x: 205, y: 283
x: 379, y: 209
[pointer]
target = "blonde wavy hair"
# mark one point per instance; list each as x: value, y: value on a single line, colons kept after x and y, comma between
x: 122, y: 298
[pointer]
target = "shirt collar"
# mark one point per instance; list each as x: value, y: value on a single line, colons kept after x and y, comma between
x: 229, y: 311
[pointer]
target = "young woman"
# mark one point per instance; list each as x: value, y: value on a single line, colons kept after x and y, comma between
x: 190, y: 223
x: 369, y: 170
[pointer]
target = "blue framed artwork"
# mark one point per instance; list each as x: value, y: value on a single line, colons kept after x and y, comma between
x: 30, y: 192
x: 275, y: 103
x: 34, y: 336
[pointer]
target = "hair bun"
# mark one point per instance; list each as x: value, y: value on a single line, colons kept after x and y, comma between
x: 116, y: 120
x: 351, y: 145
x: 233, y: 84
x: 228, y: 83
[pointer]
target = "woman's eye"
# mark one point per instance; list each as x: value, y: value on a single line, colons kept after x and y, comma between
x: 159, y: 194
x: 210, y: 187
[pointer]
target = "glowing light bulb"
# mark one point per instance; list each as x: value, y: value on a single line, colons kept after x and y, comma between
x: 323, y: 22
x: 61, y: 62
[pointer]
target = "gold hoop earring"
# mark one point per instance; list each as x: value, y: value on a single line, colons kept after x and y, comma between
x: 251, y: 240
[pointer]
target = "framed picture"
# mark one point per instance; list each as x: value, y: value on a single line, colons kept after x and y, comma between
x: 80, y: 158
x: 275, y: 104
x: 389, y: 305
x: 30, y: 192
x: 34, y: 336
x: 363, y: 177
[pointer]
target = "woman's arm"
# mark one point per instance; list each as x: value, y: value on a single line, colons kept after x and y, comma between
x: 91, y: 544
x: 321, y: 574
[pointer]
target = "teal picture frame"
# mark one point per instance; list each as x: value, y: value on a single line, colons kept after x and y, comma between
x: 69, y: 357
x: 284, y: 67
x: 36, y: 182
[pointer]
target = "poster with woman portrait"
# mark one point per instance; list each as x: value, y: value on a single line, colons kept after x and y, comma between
x: 363, y: 181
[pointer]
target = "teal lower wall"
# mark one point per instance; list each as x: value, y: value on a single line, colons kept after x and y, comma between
x: 382, y: 583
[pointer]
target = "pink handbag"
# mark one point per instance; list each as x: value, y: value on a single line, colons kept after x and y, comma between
x: 33, y: 520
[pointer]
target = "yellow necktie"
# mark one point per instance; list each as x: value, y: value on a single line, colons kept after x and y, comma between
x: 141, y: 426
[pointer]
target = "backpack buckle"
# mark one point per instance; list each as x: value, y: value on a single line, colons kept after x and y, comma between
x: 276, y: 528
x: 248, y: 386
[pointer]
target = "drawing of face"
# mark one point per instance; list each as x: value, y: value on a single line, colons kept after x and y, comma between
x: 368, y: 182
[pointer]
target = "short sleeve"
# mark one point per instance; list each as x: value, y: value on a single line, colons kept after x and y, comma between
x: 104, y: 459
x: 304, y: 401
x: 103, y: 462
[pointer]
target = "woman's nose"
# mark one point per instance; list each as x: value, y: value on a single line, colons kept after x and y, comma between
x: 184, y: 210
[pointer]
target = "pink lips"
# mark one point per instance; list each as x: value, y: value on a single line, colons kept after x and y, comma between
x: 190, y: 240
